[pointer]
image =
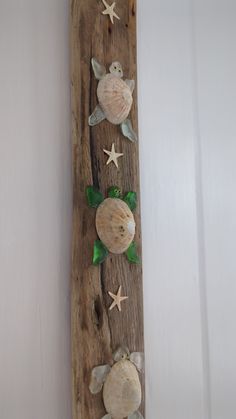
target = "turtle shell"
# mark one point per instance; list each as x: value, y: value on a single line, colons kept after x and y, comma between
x: 115, y: 225
x: 122, y: 390
x: 115, y: 98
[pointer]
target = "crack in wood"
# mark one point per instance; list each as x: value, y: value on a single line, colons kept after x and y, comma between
x: 98, y: 312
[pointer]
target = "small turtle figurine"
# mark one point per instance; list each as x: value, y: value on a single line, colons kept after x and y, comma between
x: 115, y: 223
x: 114, y: 97
x: 122, y: 393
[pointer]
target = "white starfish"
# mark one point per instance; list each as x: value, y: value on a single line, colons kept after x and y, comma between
x: 117, y: 299
x: 110, y: 11
x: 113, y: 156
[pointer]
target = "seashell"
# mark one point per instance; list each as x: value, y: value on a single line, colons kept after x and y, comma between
x: 122, y: 390
x: 115, y: 225
x: 115, y: 98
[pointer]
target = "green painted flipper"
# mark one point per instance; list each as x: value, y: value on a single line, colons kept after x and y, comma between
x: 131, y: 253
x: 94, y: 196
x: 100, y: 252
x: 131, y: 200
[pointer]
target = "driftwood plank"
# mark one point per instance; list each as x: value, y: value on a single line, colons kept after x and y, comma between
x: 96, y: 331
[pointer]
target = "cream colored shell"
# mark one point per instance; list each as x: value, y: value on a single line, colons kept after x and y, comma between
x: 115, y: 225
x: 122, y: 390
x: 115, y: 98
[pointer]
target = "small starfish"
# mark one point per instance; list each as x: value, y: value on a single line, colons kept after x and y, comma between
x: 110, y: 11
x: 117, y: 299
x: 113, y: 156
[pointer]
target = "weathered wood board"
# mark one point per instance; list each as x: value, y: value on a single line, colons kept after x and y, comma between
x: 96, y: 331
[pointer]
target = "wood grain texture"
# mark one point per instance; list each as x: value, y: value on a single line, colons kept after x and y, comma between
x: 96, y: 331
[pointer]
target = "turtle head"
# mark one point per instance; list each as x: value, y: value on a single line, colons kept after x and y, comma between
x: 116, y: 69
x: 114, y: 192
x: 121, y: 353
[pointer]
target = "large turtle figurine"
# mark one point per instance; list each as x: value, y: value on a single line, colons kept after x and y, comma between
x: 114, y: 97
x: 115, y: 223
x: 122, y: 393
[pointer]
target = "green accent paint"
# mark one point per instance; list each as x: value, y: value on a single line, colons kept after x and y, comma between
x: 131, y: 253
x: 100, y: 252
x: 114, y: 192
x: 131, y: 200
x: 94, y: 196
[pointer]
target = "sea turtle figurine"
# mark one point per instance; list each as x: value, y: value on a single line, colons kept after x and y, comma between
x: 114, y: 97
x: 115, y: 223
x: 122, y: 393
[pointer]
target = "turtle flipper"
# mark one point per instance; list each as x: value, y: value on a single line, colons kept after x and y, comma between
x: 131, y: 84
x: 127, y: 130
x: 94, y: 196
x: 137, y: 358
x: 131, y: 253
x: 131, y: 200
x: 136, y: 415
x: 96, y: 117
x: 98, y: 69
x: 98, y: 377
x: 100, y: 252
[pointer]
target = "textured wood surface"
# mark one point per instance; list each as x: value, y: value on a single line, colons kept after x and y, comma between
x: 96, y: 331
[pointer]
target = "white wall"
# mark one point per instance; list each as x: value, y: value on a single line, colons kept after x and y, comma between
x: 187, y: 96
x: 187, y: 102
x: 35, y: 210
